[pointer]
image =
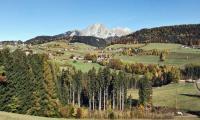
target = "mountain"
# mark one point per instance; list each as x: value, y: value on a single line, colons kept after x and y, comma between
x: 99, y: 30
x: 183, y: 34
x: 100, y: 36
x: 94, y: 35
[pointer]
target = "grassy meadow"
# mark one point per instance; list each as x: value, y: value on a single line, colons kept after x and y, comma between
x: 178, y: 55
x: 185, y: 94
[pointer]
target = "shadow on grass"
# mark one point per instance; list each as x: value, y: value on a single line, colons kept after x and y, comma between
x: 191, y: 95
x: 134, y: 102
x: 194, y: 113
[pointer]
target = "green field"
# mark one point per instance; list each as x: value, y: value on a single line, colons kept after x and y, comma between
x: 188, y: 98
x: 178, y: 55
x: 85, y: 67
x: 171, y: 47
x: 115, y: 46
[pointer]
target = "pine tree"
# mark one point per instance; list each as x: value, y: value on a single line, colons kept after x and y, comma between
x: 145, y: 91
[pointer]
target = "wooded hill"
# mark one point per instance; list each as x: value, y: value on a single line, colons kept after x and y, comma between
x: 90, y: 40
x: 183, y: 34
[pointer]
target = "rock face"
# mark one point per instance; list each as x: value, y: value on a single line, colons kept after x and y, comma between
x: 100, y: 31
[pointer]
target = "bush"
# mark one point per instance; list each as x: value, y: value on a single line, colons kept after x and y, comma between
x: 140, y: 111
x: 91, y: 57
x: 116, y: 64
x: 79, y: 113
x: 67, y: 111
x: 72, y: 56
x: 64, y: 112
x: 111, y: 115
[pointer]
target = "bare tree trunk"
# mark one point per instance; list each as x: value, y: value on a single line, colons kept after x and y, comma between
x: 117, y: 100
x: 68, y: 99
x: 113, y: 100
x: 70, y: 96
x: 104, y: 99
x: 73, y: 101
x: 135, y: 83
x: 90, y: 104
x: 79, y: 99
x: 130, y: 103
x: 93, y: 101
x: 107, y: 97
x: 100, y: 99
x: 120, y: 99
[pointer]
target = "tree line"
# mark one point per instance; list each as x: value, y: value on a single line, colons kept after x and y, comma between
x: 162, y: 74
x: 182, y: 34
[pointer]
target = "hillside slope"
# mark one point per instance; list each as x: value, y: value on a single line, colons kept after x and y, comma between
x: 183, y: 34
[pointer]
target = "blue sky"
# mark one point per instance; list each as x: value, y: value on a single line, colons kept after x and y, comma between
x: 24, y: 19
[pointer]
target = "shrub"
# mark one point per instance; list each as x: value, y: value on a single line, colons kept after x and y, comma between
x: 116, y: 64
x: 140, y: 111
x: 72, y: 56
x: 79, y: 113
x: 111, y: 115
x: 64, y: 112
x: 67, y: 111
x: 93, y: 57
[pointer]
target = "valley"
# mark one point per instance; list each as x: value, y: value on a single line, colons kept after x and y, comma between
x: 122, y: 77
x: 73, y: 55
x: 101, y: 60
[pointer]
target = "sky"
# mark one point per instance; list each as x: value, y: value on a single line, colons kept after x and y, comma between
x: 25, y: 19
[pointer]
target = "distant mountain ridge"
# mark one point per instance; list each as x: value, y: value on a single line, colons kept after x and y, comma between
x: 95, y: 35
x: 98, y: 30
x: 183, y: 34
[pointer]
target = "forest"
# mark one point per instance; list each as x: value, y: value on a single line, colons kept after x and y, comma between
x: 35, y: 85
x: 182, y: 34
